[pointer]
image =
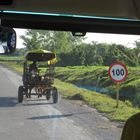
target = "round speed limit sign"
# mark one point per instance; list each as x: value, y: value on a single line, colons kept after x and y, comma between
x: 117, y: 72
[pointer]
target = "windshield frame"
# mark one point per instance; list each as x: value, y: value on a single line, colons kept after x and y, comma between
x: 67, y: 23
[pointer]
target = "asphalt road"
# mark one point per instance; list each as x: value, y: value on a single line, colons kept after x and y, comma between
x: 38, y: 119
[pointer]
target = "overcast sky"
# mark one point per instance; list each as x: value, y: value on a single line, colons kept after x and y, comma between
x: 20, y: 32
x: 126, y: 40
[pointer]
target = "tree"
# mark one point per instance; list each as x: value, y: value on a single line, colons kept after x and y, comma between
x: 72, y: 50
x: 51, y: 40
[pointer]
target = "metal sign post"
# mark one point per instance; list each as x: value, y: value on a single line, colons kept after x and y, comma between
x: 117, y: 73
x: 117, y: 95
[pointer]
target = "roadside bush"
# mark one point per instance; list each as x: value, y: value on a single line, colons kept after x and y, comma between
x: 128, y: 92
x: 128, y: 103
x: 136, y: 100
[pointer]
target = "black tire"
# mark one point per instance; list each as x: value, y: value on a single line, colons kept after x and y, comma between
x: 26, y: 91
x: 55, y: 95
x: 20, y: 94
x: 48, y: 95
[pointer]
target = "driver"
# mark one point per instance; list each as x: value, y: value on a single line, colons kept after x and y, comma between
x: 33, y: 67
x: 33, y: 70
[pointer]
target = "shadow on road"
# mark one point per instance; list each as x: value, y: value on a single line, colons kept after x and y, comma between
x: 34, y: 104
x: 8, y: 101
x: 55, y: 116
x: 33, y: 100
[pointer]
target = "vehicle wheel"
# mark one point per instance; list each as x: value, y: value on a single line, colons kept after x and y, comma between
x: 55, y: 95
x: 48, y: 94
x: 20, y: 94
x: 26, y: 91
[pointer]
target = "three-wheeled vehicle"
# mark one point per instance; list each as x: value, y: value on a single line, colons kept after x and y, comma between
x: 38, y: 76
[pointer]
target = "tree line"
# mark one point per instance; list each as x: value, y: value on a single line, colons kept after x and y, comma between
x: 73, y: 51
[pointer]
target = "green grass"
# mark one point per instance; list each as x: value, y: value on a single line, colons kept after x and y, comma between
x: 103, y: 103
x: 10, y: 58
x: 90, y: 75
x: 14, y: 66
x: 83, y: 75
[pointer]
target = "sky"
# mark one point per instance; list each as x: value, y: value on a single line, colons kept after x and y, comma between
x: 20, y: 32
x: 126, y: 40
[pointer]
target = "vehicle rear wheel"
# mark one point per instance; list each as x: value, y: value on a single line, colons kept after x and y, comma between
x: 48, y: 94
x: 55, y: 95
x: 20, y: 94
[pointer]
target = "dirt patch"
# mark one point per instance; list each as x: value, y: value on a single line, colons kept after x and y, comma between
x: 77, y: 102
x: 77, y: 97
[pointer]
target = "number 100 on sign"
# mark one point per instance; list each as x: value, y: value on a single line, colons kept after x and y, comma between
x: 117, y: 72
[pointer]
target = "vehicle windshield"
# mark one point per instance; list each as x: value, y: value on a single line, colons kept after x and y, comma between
x: 57, y: 86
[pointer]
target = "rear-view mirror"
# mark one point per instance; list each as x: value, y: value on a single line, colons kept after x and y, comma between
x: 79, y: 34
x: 7, y: 40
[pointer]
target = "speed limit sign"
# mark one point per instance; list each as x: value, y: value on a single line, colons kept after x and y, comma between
x: 117, y: 72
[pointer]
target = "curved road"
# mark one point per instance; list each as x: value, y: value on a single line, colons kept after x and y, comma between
x: 38, y: 119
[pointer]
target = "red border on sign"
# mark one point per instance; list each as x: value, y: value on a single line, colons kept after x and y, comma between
x: 116, y: 63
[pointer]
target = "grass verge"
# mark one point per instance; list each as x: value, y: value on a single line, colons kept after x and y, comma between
x: 102, y: 103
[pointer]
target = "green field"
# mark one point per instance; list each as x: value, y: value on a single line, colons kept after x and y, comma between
x: 98, y: 76
x: 11, y: 58
x: 67, y: 76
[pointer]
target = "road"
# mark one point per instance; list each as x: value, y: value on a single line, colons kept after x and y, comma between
x: 38, y: 119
